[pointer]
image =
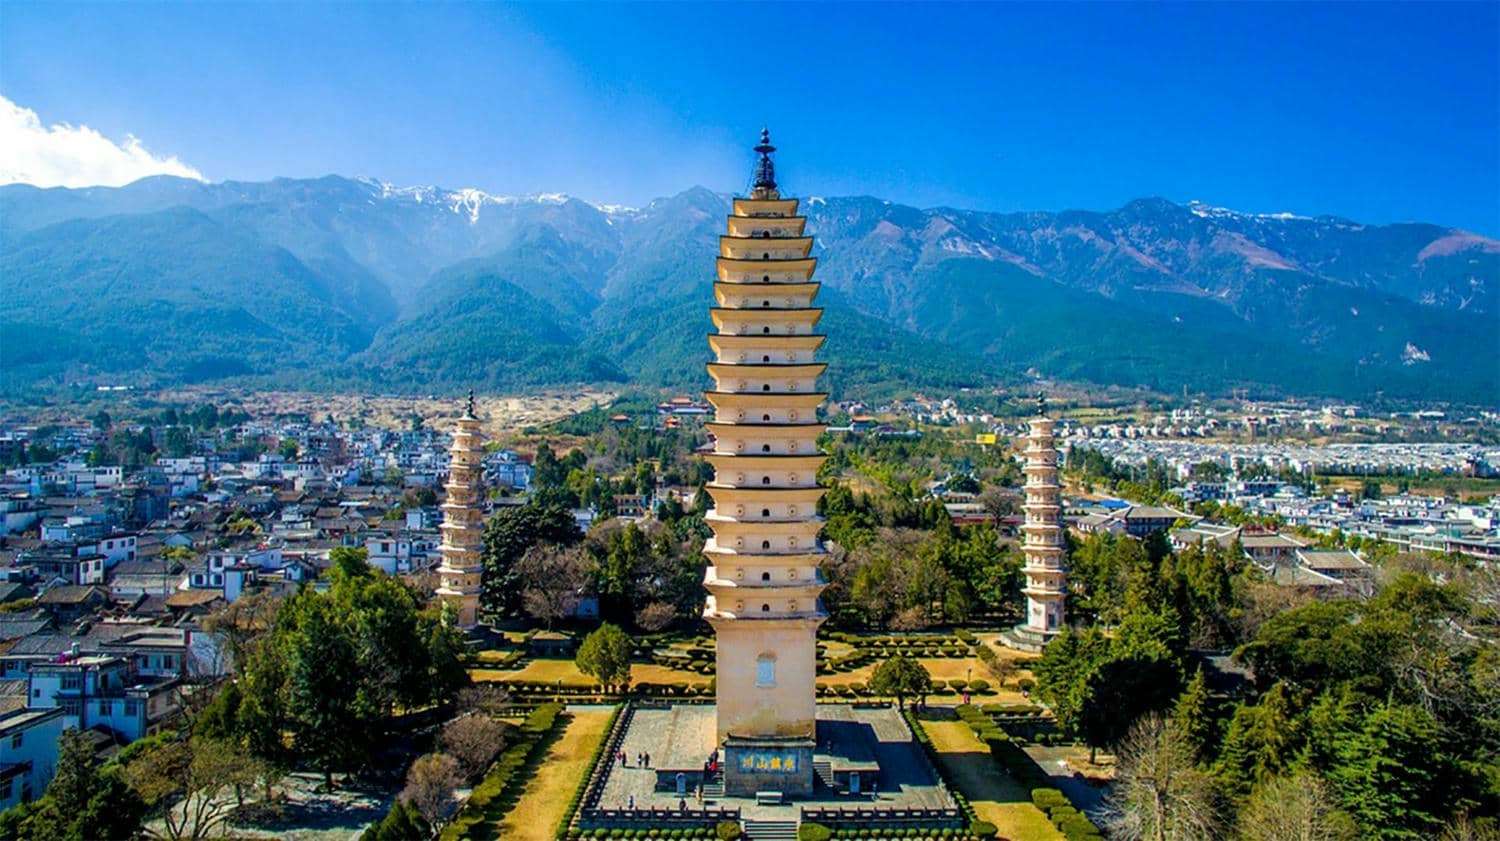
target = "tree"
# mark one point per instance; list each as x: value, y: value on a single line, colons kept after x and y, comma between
x: 430, y: 783
x: 402, y: 823
x: 507, y: 536
x: 552, y: 579
x: 655, y: 616
x: 1158, y: 794
x: 322, y: 688
x: 605, y: 655
x: 1259, y: 743
x: 1391, y: 771
x: 184, y: 782
x: 1295, y: 807
x: 1192, y: 716
x: 474, y: 741
x: 902, y: 677
x: 289, y: 449
x: 84, y: 802
x: 242, y: 624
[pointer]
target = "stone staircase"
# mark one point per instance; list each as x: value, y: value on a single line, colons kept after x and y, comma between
x: 714, y: 789
x: 770, y: 830
x: 824, y: 771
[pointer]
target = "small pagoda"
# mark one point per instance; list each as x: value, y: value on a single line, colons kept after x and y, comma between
x: 763, y: 577
x: 1045, y: 545
x: 460, y: 572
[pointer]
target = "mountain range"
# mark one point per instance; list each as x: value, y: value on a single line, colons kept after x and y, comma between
x: 342, y: 284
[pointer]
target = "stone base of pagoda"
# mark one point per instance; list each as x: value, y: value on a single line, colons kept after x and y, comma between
x: 779, y: 764
x: 1028, y: 639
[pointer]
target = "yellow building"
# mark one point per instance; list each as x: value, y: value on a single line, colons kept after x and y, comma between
x: 763, y: 577
x: 460, y: 572
x: 1046, y: 573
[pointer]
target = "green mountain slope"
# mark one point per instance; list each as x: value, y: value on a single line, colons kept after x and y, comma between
x: 350, y: 283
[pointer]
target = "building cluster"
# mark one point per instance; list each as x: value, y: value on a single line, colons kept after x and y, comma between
x: 1182, y: 458
x: 107, y: 572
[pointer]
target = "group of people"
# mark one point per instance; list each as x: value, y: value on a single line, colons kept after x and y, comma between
x: 642, y: 759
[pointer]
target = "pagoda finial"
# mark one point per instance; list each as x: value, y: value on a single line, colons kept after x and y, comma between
x: 1041, y: 403
x: 765, y: 168
x: 469, y: 412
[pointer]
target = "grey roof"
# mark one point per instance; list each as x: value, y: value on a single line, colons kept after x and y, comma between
x: 45, y: 644
x: 12, y: 629
x: 1331, y: 559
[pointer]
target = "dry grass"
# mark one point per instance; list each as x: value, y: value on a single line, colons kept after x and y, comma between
x: 551, y: 671
x: 994, y: 795
x: 545, y: 798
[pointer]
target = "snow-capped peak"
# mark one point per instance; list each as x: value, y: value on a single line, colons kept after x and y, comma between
x: 1208, y: 211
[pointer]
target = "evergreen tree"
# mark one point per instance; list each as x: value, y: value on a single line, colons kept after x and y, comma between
x: 323, y: 690
x: 605, y: 655
x: 1259, y: 744
x: 507, y: 536
x: 1192, y: 715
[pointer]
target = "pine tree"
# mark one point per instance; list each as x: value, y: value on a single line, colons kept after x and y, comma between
x: 1192, y: 716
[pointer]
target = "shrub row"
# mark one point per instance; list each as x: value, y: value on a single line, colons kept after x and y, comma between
x: 1069, y: 821
x: 925, y: 741
x: 674, y: 834
x: 1011, y: 709
x: 977, y: 831
x: 497, y: 792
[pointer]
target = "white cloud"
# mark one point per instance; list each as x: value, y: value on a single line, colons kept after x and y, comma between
x: 63, y: 155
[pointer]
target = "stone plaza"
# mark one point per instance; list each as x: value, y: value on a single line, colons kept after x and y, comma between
x: 865, y: 759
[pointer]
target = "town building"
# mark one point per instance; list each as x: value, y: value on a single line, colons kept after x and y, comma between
x: 28, y: 753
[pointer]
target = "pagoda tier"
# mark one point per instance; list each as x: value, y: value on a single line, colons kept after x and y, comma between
x: 461, y: 571
x: 1044, y: 542
x: 763, y: 579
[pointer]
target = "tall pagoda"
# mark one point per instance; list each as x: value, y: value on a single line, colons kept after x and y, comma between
x: 763, y: 577
x: 1046, y: 574
x: 459, y: 573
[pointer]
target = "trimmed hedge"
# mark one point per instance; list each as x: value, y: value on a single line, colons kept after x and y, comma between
x: 811, y: 831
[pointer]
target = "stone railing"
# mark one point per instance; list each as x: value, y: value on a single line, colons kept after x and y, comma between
x: 884, y: 818
x: 655, y: 818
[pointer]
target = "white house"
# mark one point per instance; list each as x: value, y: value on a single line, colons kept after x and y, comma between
x: 28, y: 753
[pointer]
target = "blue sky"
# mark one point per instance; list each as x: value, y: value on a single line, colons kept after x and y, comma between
x: 1379, y: 113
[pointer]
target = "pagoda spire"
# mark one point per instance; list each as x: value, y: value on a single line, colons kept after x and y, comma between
x: 765, y: 169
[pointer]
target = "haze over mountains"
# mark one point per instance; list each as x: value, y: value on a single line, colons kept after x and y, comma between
x: 337, y: 283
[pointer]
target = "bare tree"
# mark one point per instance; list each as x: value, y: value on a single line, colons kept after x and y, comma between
x: 552, y: 579
x: 1295, y: 807
x: 242, y: 623
x: 430, y: 783
x: 655, y: 616
x: 474, y: 741
x: 1001, y: 668
x: 489, y: 699
x: 1464, y: 828
x: 1159, y: 794
x: 188, y: 784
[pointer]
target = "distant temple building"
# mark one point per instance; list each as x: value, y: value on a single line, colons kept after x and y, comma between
x: 763, y: 577
x: 459, y: 574
x: 1046, y: 575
